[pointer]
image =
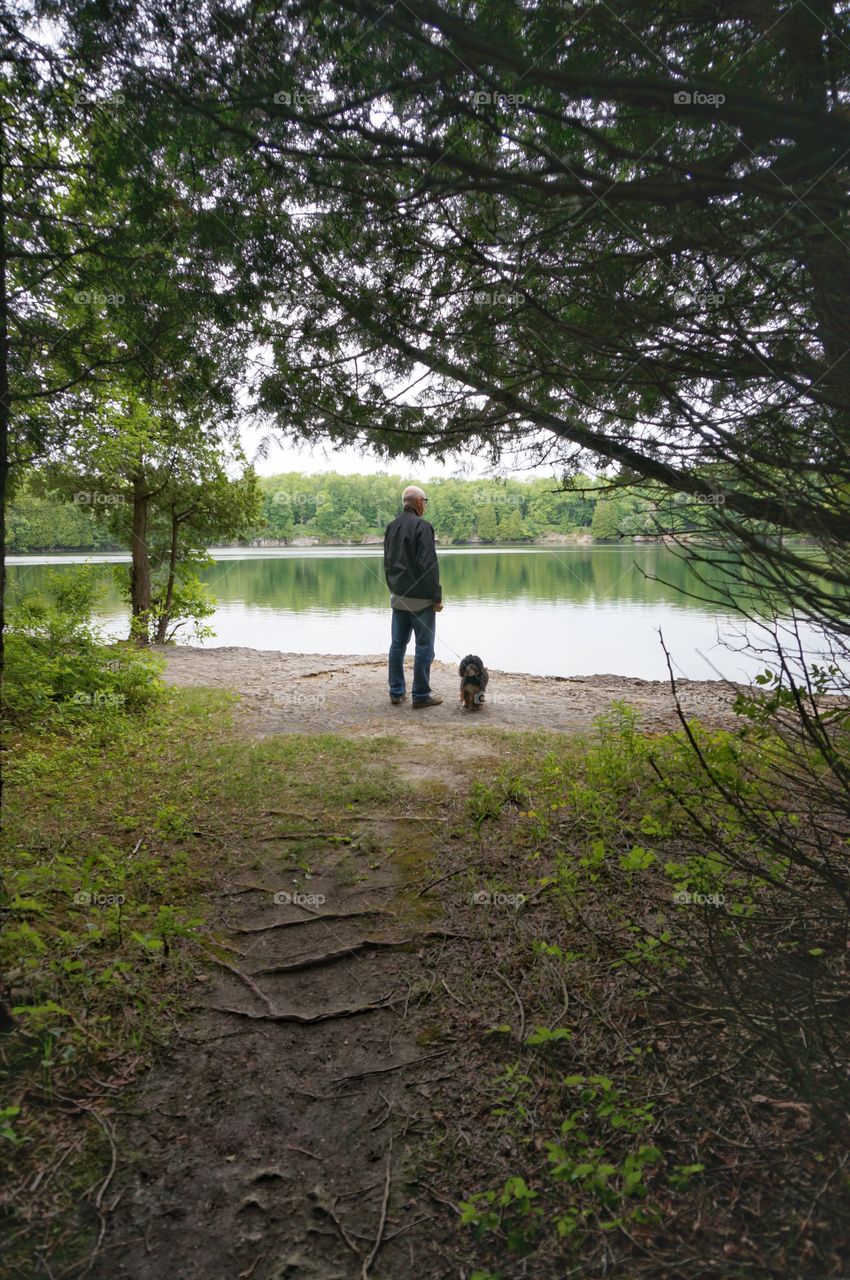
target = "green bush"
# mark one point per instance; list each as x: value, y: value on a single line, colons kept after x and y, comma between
x: 57, y: 665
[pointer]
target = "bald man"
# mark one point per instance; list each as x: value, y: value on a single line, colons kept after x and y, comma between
x: 413, y: 577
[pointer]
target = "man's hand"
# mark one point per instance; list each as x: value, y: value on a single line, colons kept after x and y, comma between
x: 438, y: 606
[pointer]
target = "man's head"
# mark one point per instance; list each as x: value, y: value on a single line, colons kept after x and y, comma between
x: 414, y: 499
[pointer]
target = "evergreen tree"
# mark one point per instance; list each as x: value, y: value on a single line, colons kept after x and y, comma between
x: 487, y: 525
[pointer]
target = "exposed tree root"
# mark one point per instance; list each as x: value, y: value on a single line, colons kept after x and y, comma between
x: 328, y: 957
x: 328, y: 915
x: 347, y: 1011
x: 366, y: 944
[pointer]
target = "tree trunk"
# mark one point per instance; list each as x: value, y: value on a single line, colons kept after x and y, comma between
x: 7, y: 1022
x: 140, y: 570
x: 165, y: 612
x: 4, y: 396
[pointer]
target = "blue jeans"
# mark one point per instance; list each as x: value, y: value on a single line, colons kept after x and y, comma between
x: 424, y: 626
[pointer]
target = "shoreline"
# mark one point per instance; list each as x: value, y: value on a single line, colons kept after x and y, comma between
x: 546, y: 542
x: 373, y: 544
x: 284, y: 692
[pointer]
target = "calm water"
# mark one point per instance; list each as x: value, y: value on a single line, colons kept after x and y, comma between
x: 566, y: 611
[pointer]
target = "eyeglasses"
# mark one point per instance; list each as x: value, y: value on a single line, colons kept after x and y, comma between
x: 424, y: 499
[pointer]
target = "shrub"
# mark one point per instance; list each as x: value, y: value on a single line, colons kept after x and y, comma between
x: 57, y: 664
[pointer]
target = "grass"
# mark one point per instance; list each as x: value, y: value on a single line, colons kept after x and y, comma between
x: 644, y: 1022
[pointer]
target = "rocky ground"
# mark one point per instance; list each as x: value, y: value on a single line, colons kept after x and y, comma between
x: 318, y: 693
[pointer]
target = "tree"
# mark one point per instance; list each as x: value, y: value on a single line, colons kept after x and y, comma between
x: 117, y: 231
x: 135, y: 461
x: 511, y: 527
x: 607, y: 519
x: 199, y: 505
x: 278, y: 519
x: 647, y: 269
x: 452, y: 517
x: 487, y: 523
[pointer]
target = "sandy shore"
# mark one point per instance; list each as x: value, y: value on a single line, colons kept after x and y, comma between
x: 320, y: 693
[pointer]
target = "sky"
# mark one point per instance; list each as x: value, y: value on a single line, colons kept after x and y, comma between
x: 319, y: 458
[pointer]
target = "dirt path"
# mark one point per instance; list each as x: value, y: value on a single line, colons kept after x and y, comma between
x: 267, y: 1147
x: 316, y: 693
x: 273, y: 1140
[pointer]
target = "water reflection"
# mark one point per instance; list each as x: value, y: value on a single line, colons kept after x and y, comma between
x: 567, y: 611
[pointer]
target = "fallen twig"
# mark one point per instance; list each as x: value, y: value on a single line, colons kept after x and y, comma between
x: 364, y: 1274
x: 520, y: 1005
x: 466, y: 867
x: 246, y: 978
x: 382, y: 1071
x: 329, y: 1207
x: 449, y: 991
x: 246, y: 1275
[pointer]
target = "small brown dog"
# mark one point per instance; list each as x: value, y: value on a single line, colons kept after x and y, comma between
x: 474, y: 678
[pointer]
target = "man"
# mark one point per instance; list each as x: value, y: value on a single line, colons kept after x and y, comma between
x: 413, y: 577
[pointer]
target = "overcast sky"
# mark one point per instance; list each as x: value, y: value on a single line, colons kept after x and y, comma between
x: 325, y: 457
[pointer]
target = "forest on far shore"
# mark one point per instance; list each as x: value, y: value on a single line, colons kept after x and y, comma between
x: 350, y: 508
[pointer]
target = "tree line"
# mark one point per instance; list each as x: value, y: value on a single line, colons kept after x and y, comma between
x: 350, y: 508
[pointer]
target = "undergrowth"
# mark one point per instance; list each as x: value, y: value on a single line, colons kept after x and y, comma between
x: 678, y: 962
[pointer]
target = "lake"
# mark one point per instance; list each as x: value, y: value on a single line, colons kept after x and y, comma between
x: 570, y: 610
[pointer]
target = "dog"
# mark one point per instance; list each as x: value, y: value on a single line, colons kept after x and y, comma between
x: 474, y: 678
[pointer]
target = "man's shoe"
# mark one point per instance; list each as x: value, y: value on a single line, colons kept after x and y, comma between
x: 427, y: 702
x: 396, y: 700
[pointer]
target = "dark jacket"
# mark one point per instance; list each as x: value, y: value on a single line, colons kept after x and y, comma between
x: 410, y: 558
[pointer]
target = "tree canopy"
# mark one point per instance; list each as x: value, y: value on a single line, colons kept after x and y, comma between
x: 595, y: 236
x: 599, y: 234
